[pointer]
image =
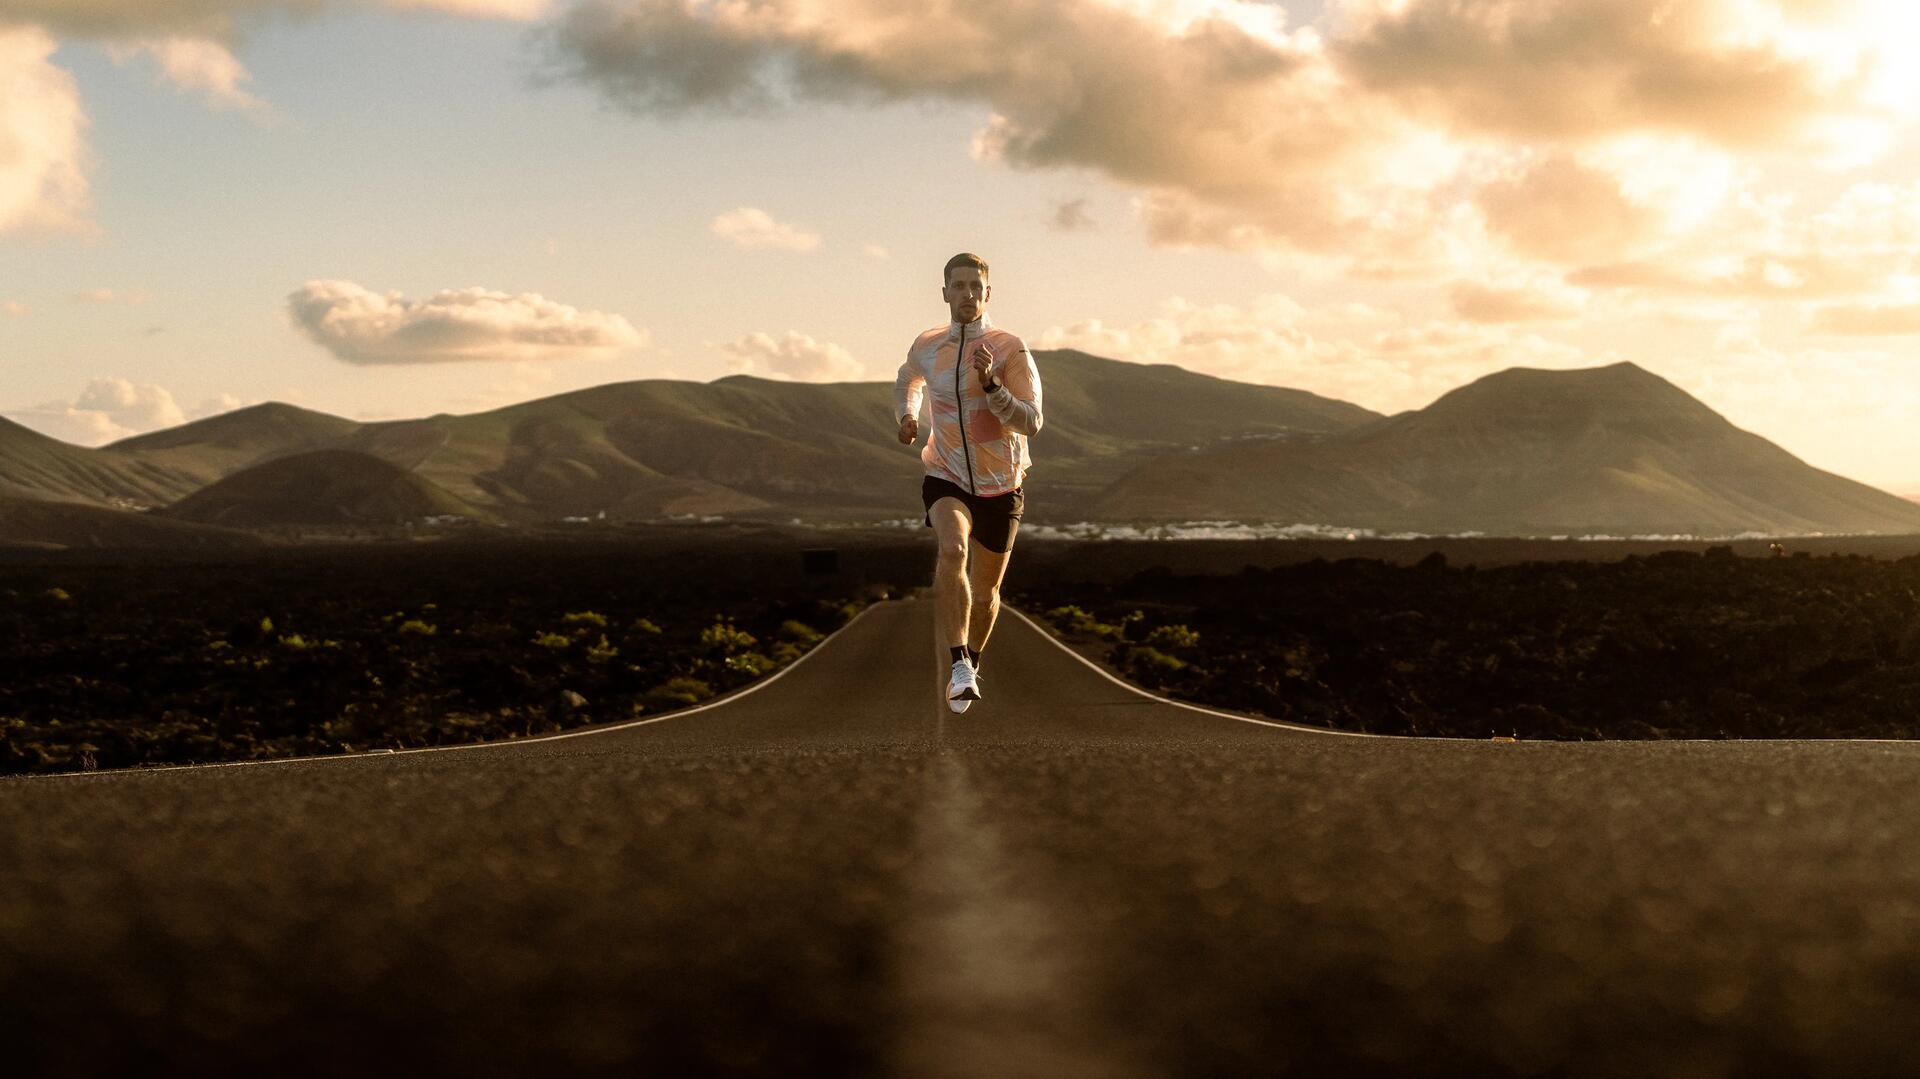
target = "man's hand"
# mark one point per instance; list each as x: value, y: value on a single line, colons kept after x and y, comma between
x: 982, y: 364
x: 909, y: 430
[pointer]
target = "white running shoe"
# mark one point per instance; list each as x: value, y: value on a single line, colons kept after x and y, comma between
x: 961, y: 704
x: 963, y: 686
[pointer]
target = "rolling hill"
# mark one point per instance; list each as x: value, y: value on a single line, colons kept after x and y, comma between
x: 1612, y: 449
x: 28, y: 522
x: 318, y: 488
x: 218, y: 446
x: 35, y: 466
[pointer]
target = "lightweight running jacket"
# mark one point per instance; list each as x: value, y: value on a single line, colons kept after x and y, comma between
x: 977, y: 440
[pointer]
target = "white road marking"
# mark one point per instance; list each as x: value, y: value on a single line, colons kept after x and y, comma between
x: 988, y: 979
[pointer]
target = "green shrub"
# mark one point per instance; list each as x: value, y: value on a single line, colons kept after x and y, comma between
x: 676, y: 693
x: 601, y: 652
x: 751, y: 662
x: 1152, y: 665
x: 555, y: 641
x: 723, y: 636
x: 795, y: 630
x: 585, y: 618
x: 643, y: 625
x: 1174, y: 638
x: 418, y: 628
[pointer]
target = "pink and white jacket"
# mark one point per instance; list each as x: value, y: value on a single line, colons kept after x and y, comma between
x: 976, y: 440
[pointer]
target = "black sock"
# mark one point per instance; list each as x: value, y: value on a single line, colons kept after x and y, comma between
x: 974, y: 657
x: 958, y: 651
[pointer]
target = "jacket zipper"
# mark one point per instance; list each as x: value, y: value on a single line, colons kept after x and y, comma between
x: 960, y: 400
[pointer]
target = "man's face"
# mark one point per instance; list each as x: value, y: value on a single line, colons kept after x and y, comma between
x: 966, y: 294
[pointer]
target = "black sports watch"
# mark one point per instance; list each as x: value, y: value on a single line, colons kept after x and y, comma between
x: 993, y: 386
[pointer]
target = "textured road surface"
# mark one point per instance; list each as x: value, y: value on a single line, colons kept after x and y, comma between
x: 834, y: 875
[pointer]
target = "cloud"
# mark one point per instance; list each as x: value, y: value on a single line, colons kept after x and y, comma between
x: 197, y: 64
x: 221, y: 20
x: 43, y: 156
x: 794, y: 357
x: 1536, y: 302
x: 516, y: 10
x: 1561, y: 211
x: 1346, y: 351
x: 13, y: 308
x: 754, y: 228
x: 1825, y: 75
x: 363, y: 327
x: 1867, y: 320
x: 44, y: 161
x: 106, y: 295
x: 1362, y: 137
x: 106, y: 409
x: 1214, y: 99
x: 877, y: 252
x: 1071, y: 216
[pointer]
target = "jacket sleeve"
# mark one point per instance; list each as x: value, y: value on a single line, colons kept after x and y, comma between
x: 908, y: 388
x: 1017, y: 402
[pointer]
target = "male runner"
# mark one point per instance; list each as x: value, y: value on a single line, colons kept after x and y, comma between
x: 985, y: 394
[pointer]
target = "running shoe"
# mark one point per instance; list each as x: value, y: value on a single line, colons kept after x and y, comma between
x: 963, y: 686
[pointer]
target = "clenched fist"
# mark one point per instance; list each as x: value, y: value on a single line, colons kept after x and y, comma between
x: 909, y: 430
x: 983, y: 366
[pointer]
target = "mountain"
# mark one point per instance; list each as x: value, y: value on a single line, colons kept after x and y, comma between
x: 320, y: 487
x: 35, y: 466
x: 1614, y: 449
x: 745, y: 446
x: 739, y: 446
x: 27, y: 522
x: 220, y: 445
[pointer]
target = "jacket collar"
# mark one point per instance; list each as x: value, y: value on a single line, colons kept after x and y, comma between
x: 974, y: 329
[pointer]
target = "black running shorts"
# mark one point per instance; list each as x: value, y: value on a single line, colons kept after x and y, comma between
x: 995, y: 519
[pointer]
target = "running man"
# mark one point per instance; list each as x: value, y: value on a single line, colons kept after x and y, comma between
x: 985, y: 405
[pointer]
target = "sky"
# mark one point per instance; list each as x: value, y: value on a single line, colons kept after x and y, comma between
x: 393, y: 208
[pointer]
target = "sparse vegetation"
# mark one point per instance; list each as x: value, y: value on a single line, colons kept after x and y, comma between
x: 1677, y: 644
x: 319, y: 652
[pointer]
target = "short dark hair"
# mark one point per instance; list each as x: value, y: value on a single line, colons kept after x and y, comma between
x: 964, y: 258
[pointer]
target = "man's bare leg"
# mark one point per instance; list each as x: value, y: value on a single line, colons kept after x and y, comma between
x: 952, y: 527
x: 984, y: 576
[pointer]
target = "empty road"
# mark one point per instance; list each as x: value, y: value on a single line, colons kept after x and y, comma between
x: 831, y: 874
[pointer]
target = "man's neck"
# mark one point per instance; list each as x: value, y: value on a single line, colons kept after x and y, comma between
x: 978, y: 325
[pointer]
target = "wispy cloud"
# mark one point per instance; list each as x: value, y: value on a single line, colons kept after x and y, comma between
x: 132, y: 297
x: 220, y: 20
x: 1349, y: 352
x: 793, y: 357
x: 1071, y: 215
x: 1868, y: 320
x: 198, y: 64
x: 753, y: 228
x: 1538, y: 301
x: 364, y: 327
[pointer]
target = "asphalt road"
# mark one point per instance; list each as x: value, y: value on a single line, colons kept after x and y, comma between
x: 831, y: 874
